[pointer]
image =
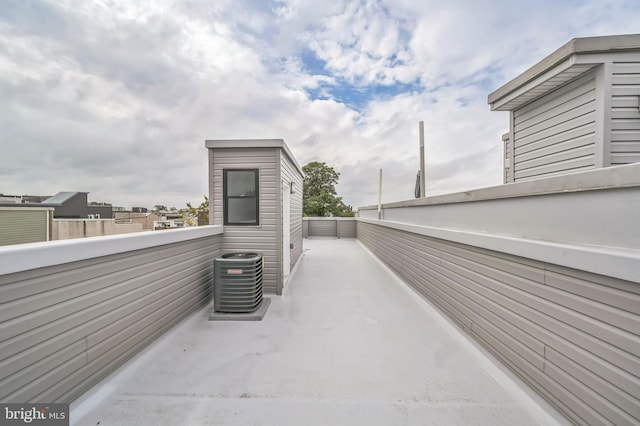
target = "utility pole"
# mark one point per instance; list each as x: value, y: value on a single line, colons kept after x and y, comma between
x: 380, y: 196
x: 422, y: 179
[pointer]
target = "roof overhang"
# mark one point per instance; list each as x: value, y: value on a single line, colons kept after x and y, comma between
x: 254, y: 143
x: 571, y: 60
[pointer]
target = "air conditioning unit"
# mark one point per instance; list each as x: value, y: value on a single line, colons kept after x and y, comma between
x: 237, y: 286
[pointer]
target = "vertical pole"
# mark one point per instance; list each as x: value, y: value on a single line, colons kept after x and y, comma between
x: 380, y: 196
x: 422, y: 177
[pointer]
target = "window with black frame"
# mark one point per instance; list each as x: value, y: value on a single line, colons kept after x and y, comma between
x: 241, y: 197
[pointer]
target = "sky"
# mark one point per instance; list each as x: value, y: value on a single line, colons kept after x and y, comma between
x: 116, y: 98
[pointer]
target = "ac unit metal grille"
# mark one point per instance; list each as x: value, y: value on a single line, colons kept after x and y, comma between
x: 238, y: 282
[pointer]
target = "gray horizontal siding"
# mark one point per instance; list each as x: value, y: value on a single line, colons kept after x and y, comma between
x: 323, y: 228
x: 625, y: 113
x: 64, y: 327
x: 262, y: 238
x: 556, y: 133
x: 346, y: 228
x: 337, y: 227
x: 291, y: 174
x: 571, y: 335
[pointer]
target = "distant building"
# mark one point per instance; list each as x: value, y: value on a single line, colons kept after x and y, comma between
x: 168, y: 224
x: 22, y: 199
x: 64, y: 229
x: 73, y: 205
x: 23, y: 219
x: 27, y: 199
x: 15, y: 199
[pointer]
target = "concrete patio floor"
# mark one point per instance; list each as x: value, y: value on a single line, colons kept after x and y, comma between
x: 348, y: 344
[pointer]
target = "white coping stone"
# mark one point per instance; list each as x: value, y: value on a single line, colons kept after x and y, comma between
x: 611, y: 261
x: 23, y: 257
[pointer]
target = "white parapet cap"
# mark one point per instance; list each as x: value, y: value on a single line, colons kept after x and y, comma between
x: 24, y: 257
x: 615, y: 262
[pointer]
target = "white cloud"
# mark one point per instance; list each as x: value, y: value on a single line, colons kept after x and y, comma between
x: 117, y: 98
x: 363, y: 44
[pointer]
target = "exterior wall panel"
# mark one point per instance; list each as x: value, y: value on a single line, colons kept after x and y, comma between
x: 323, y: 228
x: 556, y: 133
x: 571, y: 335
x: 290, y: 174
x: 262, y: 238
x: 625, y: 113
x: 338, y: 227
x: 346, y: 228
x: 64, y: 327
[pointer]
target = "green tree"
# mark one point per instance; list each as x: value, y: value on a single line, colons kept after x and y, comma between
x: 319, y: 193
x: 201, y: 212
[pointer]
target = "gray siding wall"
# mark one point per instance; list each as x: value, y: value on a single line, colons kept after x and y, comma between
x: 339, y: 227
x: 66, y: 326
x: 573, y: 336
x: 323, y: 228
x: 262, y: 238
x: 346, y: 228
x: 625, y: 115
x: 555, y: 134
x: 290, y: 173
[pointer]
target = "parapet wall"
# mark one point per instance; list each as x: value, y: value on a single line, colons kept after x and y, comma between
x: 545, y: 275
x: 73, y: 311
x: 336, y: 227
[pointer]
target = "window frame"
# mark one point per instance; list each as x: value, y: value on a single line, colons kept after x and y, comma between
x: 226, y: 197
